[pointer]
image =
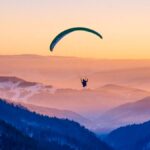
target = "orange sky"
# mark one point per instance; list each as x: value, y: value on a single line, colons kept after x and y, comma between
x: 28, y: 26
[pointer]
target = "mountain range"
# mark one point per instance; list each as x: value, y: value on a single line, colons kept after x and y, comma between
x: 47, y: 100
x: 105, y: 97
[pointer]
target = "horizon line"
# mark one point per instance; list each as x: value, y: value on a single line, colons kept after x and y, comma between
x: 77, y: 57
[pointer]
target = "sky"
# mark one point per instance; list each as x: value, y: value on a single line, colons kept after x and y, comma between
x: 28, y: 27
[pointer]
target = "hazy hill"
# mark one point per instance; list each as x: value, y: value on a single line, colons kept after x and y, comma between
x: 129, y: 113
x: 64, y: 114
x: 19, y: 91
x: 79, y: 101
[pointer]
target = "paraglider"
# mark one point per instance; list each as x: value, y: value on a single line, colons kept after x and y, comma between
x: 84, y: 82
x: 68, y: 31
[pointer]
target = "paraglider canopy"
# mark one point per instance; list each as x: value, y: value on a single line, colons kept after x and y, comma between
x: 66, y: 32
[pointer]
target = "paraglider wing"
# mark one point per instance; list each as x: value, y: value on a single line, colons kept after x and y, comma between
x: 64, y: 33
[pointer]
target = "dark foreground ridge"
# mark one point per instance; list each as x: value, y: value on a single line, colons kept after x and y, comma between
x: 28, y: 130
x: 131, y: 137
x: 13, y: 139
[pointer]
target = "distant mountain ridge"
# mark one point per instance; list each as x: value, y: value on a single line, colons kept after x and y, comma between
x: 105, y: 97
x: 20, y: 81
x: 15, y: 88
x: 70, y: 103
x: 129, y: 113
x: 19, y: 91
x: 62, y: 114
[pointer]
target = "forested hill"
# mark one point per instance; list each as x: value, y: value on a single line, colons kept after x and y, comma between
x: 131, y: 137
x: 12, y: 139
x: 46, y: 131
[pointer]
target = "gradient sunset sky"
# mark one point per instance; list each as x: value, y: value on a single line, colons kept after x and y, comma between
x: 28, y: 27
